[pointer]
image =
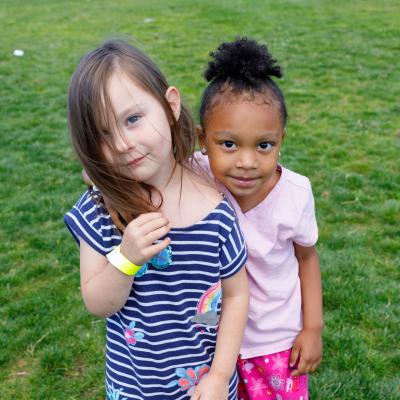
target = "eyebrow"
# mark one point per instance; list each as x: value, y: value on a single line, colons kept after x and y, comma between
x: 262, y: 136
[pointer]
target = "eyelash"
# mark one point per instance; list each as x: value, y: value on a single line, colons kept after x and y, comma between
x: 136, y: 116
x: 224, y: 144
x: 268, y: 143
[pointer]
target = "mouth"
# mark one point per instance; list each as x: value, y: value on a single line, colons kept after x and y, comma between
x: 136, y: 161
x: 243, y: 181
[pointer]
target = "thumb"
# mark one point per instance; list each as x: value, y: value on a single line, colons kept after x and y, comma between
x: 195, y: 396
x: 294, y: 355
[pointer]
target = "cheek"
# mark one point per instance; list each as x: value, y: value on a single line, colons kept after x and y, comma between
x: 218, y: 166
x: 107, y: 153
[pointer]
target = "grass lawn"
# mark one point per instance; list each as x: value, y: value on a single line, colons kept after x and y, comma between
x: 342, y: 83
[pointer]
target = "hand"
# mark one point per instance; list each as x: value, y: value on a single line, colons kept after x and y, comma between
x: 308, y: 349
x: 211, y: 387
x: 140, y: 234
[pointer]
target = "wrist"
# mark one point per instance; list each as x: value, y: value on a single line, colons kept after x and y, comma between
x: 220, y: 375
x: 314, y: 328
x: 119, y: 261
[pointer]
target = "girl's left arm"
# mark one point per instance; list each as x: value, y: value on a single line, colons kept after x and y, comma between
x: 308, y: 344
x: 235, y: 304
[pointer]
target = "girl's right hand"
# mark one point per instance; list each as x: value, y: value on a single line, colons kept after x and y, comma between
x: 138, y: 241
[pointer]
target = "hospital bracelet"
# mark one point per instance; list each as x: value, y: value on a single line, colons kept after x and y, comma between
x: 119, y: 261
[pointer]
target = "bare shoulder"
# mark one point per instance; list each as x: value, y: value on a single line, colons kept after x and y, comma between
x: 197, y: 198
x: 204, y: 190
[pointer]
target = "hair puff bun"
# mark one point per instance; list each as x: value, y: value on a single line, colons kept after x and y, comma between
x: 244, y: 59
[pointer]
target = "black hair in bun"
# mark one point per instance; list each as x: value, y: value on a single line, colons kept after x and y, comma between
x: 243, y: 59
x: 242, y: 66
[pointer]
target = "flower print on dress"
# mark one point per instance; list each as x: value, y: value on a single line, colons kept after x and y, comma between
x: 161, y: 260
x: 276, y: 382
x: 113, y: 393
x: 257, y: 386
x: 292, y: 384
x: 189, y: 378
x: 131, y: 336
x: 248, y: 366
x: 280, y: 362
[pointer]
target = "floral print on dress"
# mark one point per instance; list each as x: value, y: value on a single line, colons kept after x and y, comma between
x: 113, y: 393
x: 131, y: 336
x: 161, y: 260
x: 257, y: 386
x: 269, y: 378
x: 189, y: 378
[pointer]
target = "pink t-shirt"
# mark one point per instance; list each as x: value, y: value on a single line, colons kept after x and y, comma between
x: 285, y: 216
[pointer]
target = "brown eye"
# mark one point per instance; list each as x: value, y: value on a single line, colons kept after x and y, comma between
x: 265, y: 145
x: 228, y: 144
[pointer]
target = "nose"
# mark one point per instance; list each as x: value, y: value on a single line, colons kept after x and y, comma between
x: 246, y: 159
x: 123, y: 142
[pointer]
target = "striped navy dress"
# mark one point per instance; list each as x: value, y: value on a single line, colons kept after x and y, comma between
x: 162, y: 341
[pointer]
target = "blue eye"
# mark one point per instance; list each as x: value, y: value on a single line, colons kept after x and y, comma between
x: 132, y: 119
x: 265, y: 145
x: 228, y: 144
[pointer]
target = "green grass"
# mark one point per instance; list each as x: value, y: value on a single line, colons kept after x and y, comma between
x: 342, y: 85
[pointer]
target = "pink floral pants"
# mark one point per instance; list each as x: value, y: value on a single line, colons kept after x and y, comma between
x: 268, y: 377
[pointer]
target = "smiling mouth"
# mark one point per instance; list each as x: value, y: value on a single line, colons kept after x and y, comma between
x: 136, y: 161
x: 243, y: 181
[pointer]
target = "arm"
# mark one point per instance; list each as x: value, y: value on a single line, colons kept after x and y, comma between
x: 308, y: 344
x: 105, y: 289
x: 235, y: 303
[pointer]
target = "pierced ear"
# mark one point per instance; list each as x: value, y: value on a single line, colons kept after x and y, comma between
x: 174, y: 99
x: 201, y: 136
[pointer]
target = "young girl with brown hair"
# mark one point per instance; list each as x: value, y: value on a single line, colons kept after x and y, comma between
x: 158, y: 277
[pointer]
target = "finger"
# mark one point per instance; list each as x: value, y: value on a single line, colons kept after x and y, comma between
x: 144, y: 218
x: 155, y: 235
x: 195, y: 396
x: 156, y: 248
x: 150, y: 226
x: 312, y: 368
x: 294, y: 355
x: 301, y: 368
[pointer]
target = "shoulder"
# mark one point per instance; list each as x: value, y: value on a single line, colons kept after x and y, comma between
x: 224, y: 215
x: 295, y: 181
x: 89, y: 220
x: 89, y: 207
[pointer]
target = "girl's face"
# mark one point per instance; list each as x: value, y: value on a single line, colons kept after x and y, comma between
x: 141, y: 133
x: 243, y: 138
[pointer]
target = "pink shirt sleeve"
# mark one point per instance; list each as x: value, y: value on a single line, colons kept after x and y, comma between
x: 306, y: 232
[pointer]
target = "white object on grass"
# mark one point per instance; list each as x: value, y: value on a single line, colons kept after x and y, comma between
x: 18, y: 53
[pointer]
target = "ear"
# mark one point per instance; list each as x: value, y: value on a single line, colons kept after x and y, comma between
x: 201, y: 136
x: 174, y: 99
x: 283, y: 134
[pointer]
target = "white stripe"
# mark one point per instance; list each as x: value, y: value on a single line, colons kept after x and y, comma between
x: 164, y: 272
x: 144, y: 368
x: 174, y: 357
x: 196, y: 243
x: 86, y: 235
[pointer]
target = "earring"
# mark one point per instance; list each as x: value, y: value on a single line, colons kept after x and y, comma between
x: 203, y: 150
x: 279, y: 154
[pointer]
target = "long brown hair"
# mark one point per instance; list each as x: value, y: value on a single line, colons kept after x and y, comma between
x: 90, y: 115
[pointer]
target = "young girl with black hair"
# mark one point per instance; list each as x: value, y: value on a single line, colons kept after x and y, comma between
x: 243, y: 124
x: 159, y: 278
